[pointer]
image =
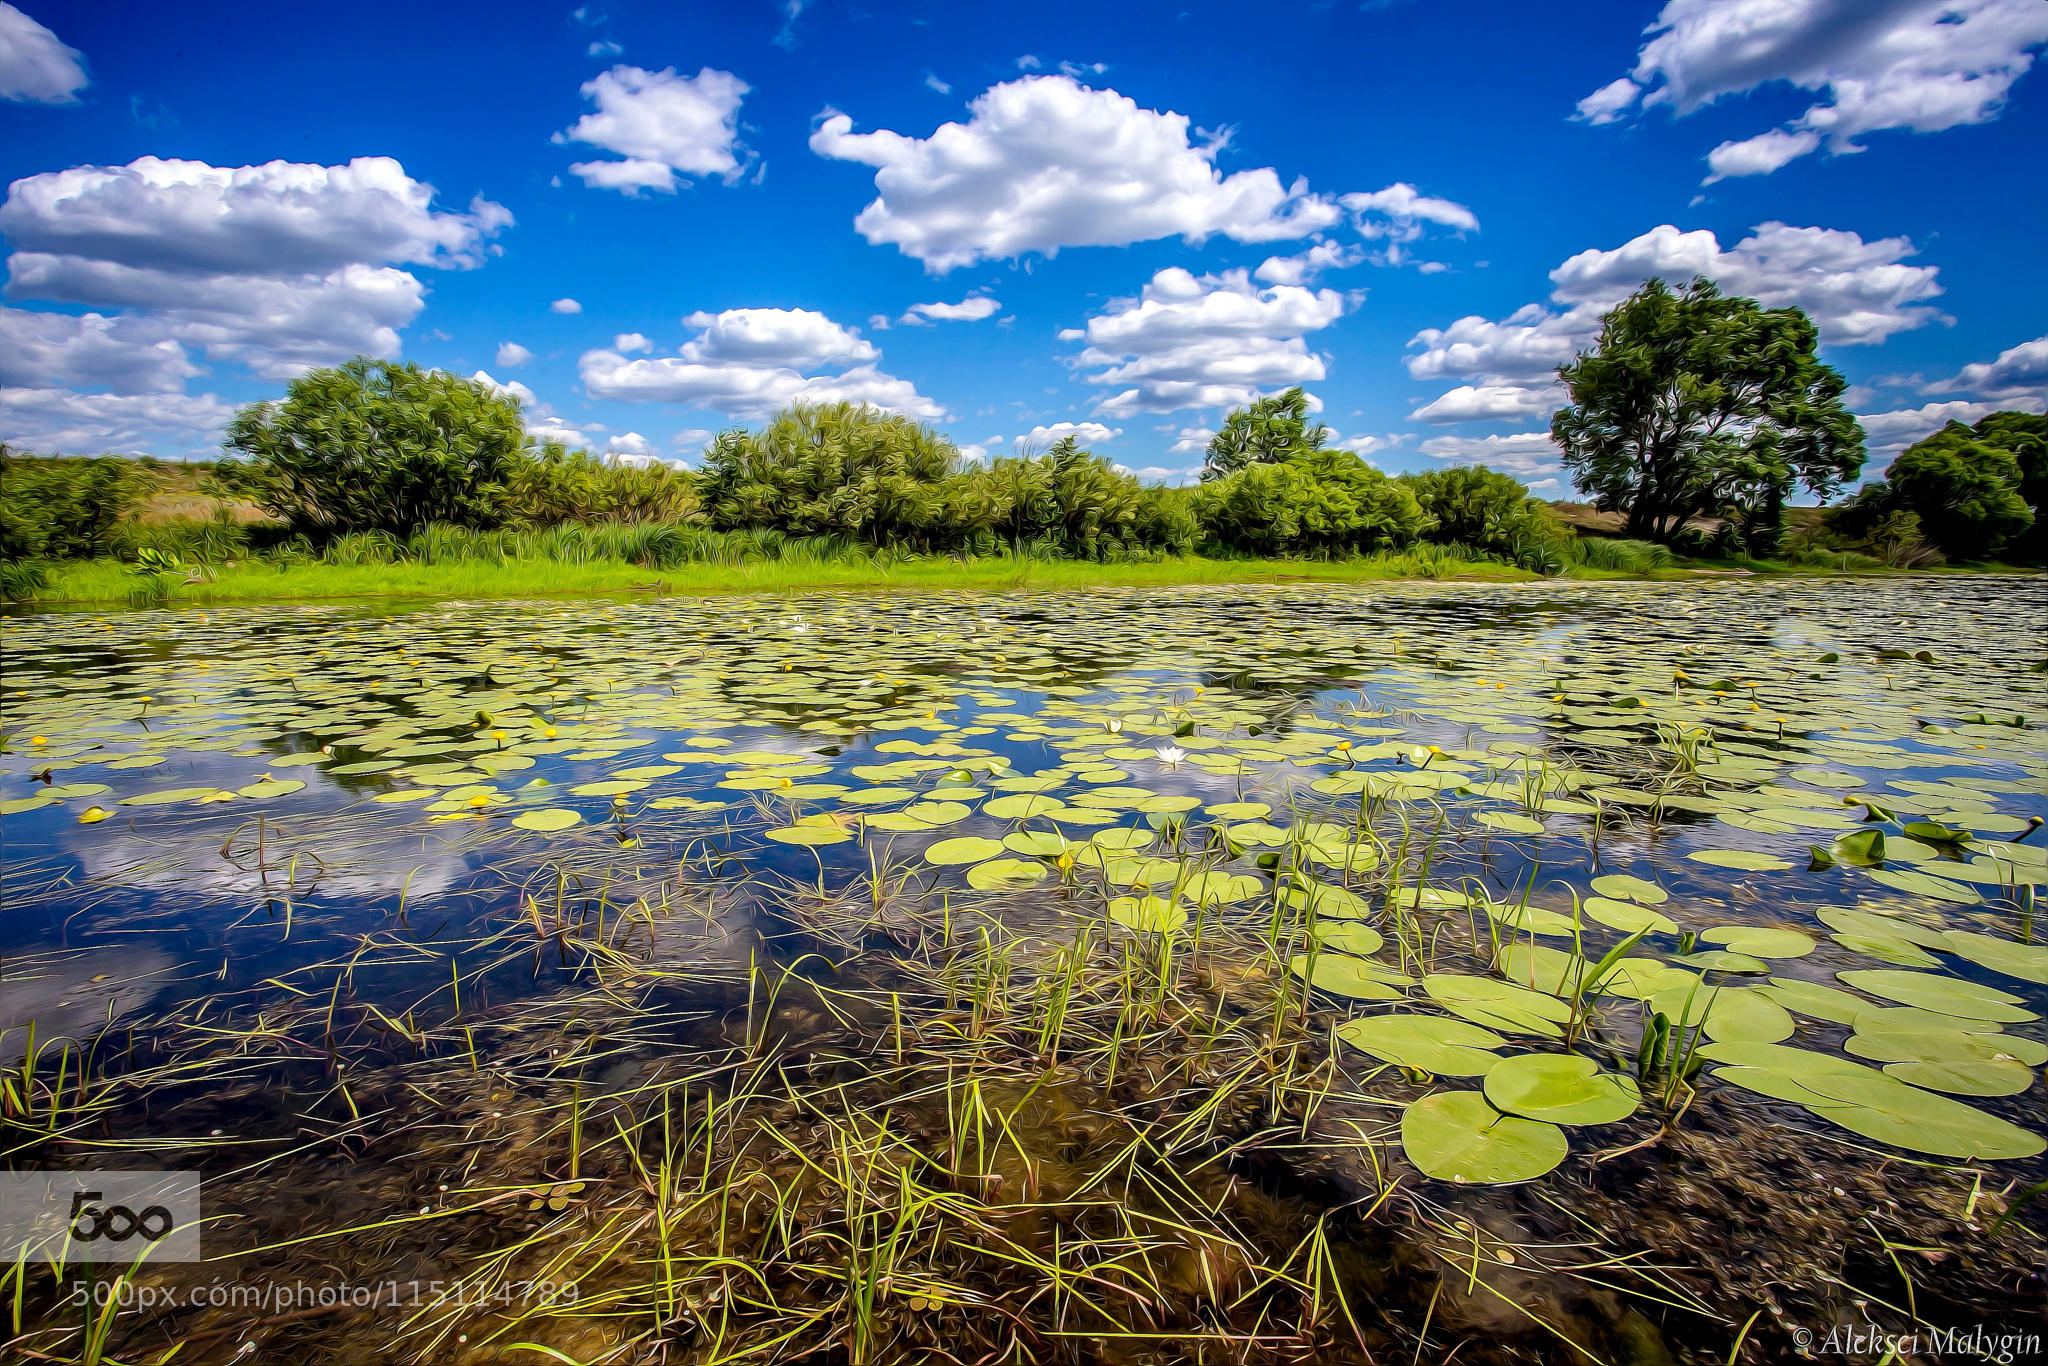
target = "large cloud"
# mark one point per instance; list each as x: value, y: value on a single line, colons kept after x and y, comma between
x: 747, y: 362
x: 280, y: 266
x: 1204, y: 342
x: 1087, y: 433
x: 2020, y: 372
x: 661, y: 125
x: 35, y: 66
x: 1522, y: 454
x: 1923, y: 65
x: 63, y: 351
x: 1046, y: 162
x: 1858, y: 293
x: 66, y: 420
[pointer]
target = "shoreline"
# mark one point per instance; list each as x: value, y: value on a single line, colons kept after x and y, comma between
x: 102, y: 584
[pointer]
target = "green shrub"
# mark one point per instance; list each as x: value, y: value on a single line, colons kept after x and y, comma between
x: 831, y: 467
x: 1619, y: 555
x: 557, y: 485
x: 379, y: 446
x: 1322, y: 503
x: 66, y: 509
x: 1484, y: 509
x: 1966, y: 492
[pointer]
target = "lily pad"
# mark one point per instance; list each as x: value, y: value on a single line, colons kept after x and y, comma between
x: 1359, y: 978
x: 1427, y: 1043
x: 963, y: 849
x: 548, y: 819
x: 1941, y: 994
x: 1562, y: 1088
x: 1456, y: 1136
x: 1498, y: 1005
x: 1005, y: 874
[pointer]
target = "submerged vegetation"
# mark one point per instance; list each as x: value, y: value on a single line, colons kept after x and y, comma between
x: 1568, y: 973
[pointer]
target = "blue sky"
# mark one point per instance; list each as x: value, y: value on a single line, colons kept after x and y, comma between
x: 1123, y: 218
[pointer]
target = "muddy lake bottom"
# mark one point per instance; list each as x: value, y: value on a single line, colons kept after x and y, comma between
x: 1550, y: 972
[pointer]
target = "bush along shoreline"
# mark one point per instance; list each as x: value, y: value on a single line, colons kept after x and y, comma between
x: 380, y: 465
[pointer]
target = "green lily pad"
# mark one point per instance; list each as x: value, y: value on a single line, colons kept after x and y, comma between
x: 1509, y: 821
x: 1628, y: 917
x: 963, y: 849
x: 1456, y: 1136
x: 1498, y: 1005
x: 1814, y: 1000
x: 1359, y: 978
x: 1743, y: 860
x: 548, y: 819
x: 1343, y: 936
x: 1150, y: 914
x: 1943, y: 995
x: 2026, y: 962
x: 821, y: 833
x: 1627, y: 888
x: 1969, y: 1077
x: 1427, y: 1043
x: 1760, y: 941
x: 1561, y: 1088
x: 1005, y: 874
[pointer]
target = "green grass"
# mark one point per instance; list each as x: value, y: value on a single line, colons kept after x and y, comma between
x: 110, y: 581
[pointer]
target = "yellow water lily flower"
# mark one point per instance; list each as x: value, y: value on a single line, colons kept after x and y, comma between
x: 39, y: 739
x: 93, y: 815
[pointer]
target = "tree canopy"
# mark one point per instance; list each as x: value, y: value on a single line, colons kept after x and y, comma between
x: 1966, y: 489
x: 1264, y: 432
x: 1698, y: 404
x: 378, y: 445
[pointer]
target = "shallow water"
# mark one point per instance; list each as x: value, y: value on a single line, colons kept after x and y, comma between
x: 265, y: 806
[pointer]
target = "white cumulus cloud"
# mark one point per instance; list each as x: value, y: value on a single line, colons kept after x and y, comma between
x: 1203, y: 342
x: 1087, y: 433
x: 125, y: 354
x: 65, y: 420
x: 1045, y: 162
x: 1921, y: 65
x: 747, y: 362
x: 2020, y: 372
x: 661, y: 125
x: 35, y: 65
x: 1522, y: 454
x: 511, y: 354
x: 280, y: 266
x: 565, y: 306
x: 968, y: 310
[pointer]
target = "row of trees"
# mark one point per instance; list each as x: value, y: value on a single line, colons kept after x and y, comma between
x: 1692, y: 407
x: 381, y: 446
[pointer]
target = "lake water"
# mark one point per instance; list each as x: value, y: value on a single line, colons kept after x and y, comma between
x: 1216, y: 974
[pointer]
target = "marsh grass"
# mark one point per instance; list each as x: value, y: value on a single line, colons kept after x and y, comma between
x: 111, y: 581
x: 888, y: 1125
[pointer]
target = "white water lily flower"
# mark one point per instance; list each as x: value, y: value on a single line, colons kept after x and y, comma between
x: 1171, y: 754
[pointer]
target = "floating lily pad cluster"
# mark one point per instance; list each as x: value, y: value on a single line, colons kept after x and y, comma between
x: 1160, y: 757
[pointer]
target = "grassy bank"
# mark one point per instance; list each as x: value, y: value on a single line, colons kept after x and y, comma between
x: 110, y: 581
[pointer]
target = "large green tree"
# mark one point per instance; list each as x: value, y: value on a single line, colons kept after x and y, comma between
x: 1964, y: 489
x: 2026, y: 436
x: 378, y: 445
x: 1698, y: 404
x: 1264, y: 432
